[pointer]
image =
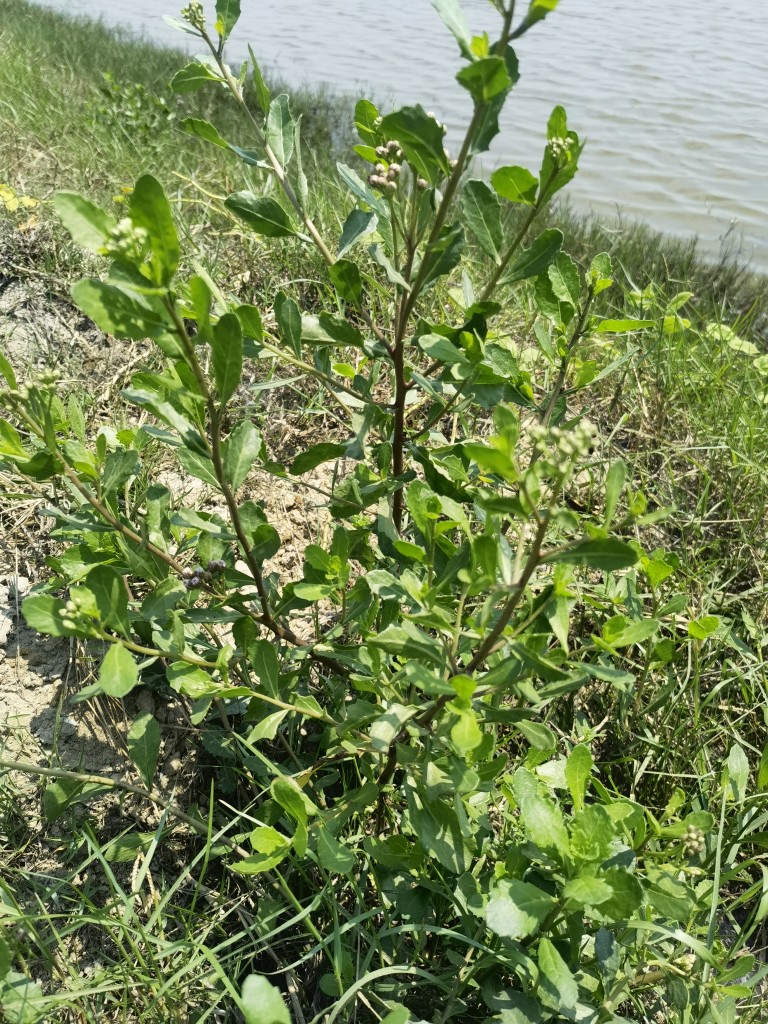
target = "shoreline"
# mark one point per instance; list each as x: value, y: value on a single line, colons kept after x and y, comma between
x: 58, y: 66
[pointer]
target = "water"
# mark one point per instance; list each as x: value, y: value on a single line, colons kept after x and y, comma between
x: 670, y: 96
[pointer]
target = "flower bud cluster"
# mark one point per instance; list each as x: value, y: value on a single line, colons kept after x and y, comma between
x: 46, y: 382
x: 48, y: 379
x: 564, y: 447
x: 385, y: 175
x: 559, y: 147
x: 71, y: 614
x: 194, y: 15
x: 194, y: 578
x: 693, y: 841
x: 126, y: 240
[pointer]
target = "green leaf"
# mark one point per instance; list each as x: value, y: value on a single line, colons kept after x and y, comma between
x: 393, y: 275
x: 542, y: 817
x: 538, y: 735
x: 564, y: 275
x: 166, y: 412
x: 357, y: 225
x: 466, y: 734
x: 227, y: 14
x: 587, y: 891
x: 736, y: 775
x: 388, y: 725
x: 87, y: 223
x: 408, y: 641
x: 557, y: 985
x: 487, y: 114
x: 194, y: 76
x: 204, y: 130
x: 111, y: 597
x: 264, y: 662
x: 22, y: 1000
x: 262, y: 1003
x: 227, y: 355
x: 250, y: 321
x: 608, y: 554
x: 482, y: 211
x: 399, y: 1014
x: 444, y: 254
x: 399, y: 852
x: 5, y: 958
x: 619, y: 631
x: 421, y: 140
x: 41, y: 613
x: 118, y: 675
x: 358, y: 188
x: 315, y: 456
x: 119, y: 467
x: 592, y: 833
x: 271, y: 848
x: 485, y: 78
x: 439, y: 831
x: 332, y: 855
x: 151, y: 210
x: 453, y: 17
x: 263, y: 97
x: 281, y: 132
x: 762, y: 771
x: 241, y: 451
x: 288, y: 316
x: 703, y: 628
x: 516, y: 184
x: 516, y: 909
x: 578, y: 770
x: 519, y: 1009
x: 121, y: 313
x: 292, y: 799
x: 442, y: 349
x: 262, y: 214
x: 626, y: 895
x: 614, y: 487
x: 535, y: 260
x: 124, y: 849
x: 347, y: 281
x: 144, y: 746
x: 7, y: 371
x: 538, y: 10
x: 624, y: 326
x: 556, y: 173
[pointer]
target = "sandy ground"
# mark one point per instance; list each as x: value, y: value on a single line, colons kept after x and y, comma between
x: 40, y: 675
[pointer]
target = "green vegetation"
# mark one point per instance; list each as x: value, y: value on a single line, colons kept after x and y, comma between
x: 488, y: 743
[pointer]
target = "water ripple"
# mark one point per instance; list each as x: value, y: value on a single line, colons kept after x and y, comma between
x: 670, y: 95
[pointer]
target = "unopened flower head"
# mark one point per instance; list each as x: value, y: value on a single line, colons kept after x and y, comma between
x: 194, y: 15
x: 693, y: 841
x: 126, y: 240
x: 559, y: 147
x: 563, y: 447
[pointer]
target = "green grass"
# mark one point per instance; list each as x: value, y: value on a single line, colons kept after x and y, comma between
x: 60, y: 130
x: 687, y: 412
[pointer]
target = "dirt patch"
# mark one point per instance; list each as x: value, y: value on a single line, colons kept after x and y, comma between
x: 38, y: 676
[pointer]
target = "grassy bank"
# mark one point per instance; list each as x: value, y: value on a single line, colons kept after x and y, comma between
x: 125, y: 908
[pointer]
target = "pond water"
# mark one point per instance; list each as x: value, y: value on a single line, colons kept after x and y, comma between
x: 671, y: 97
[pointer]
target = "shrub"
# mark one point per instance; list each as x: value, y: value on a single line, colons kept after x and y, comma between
x: 428, y: 825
